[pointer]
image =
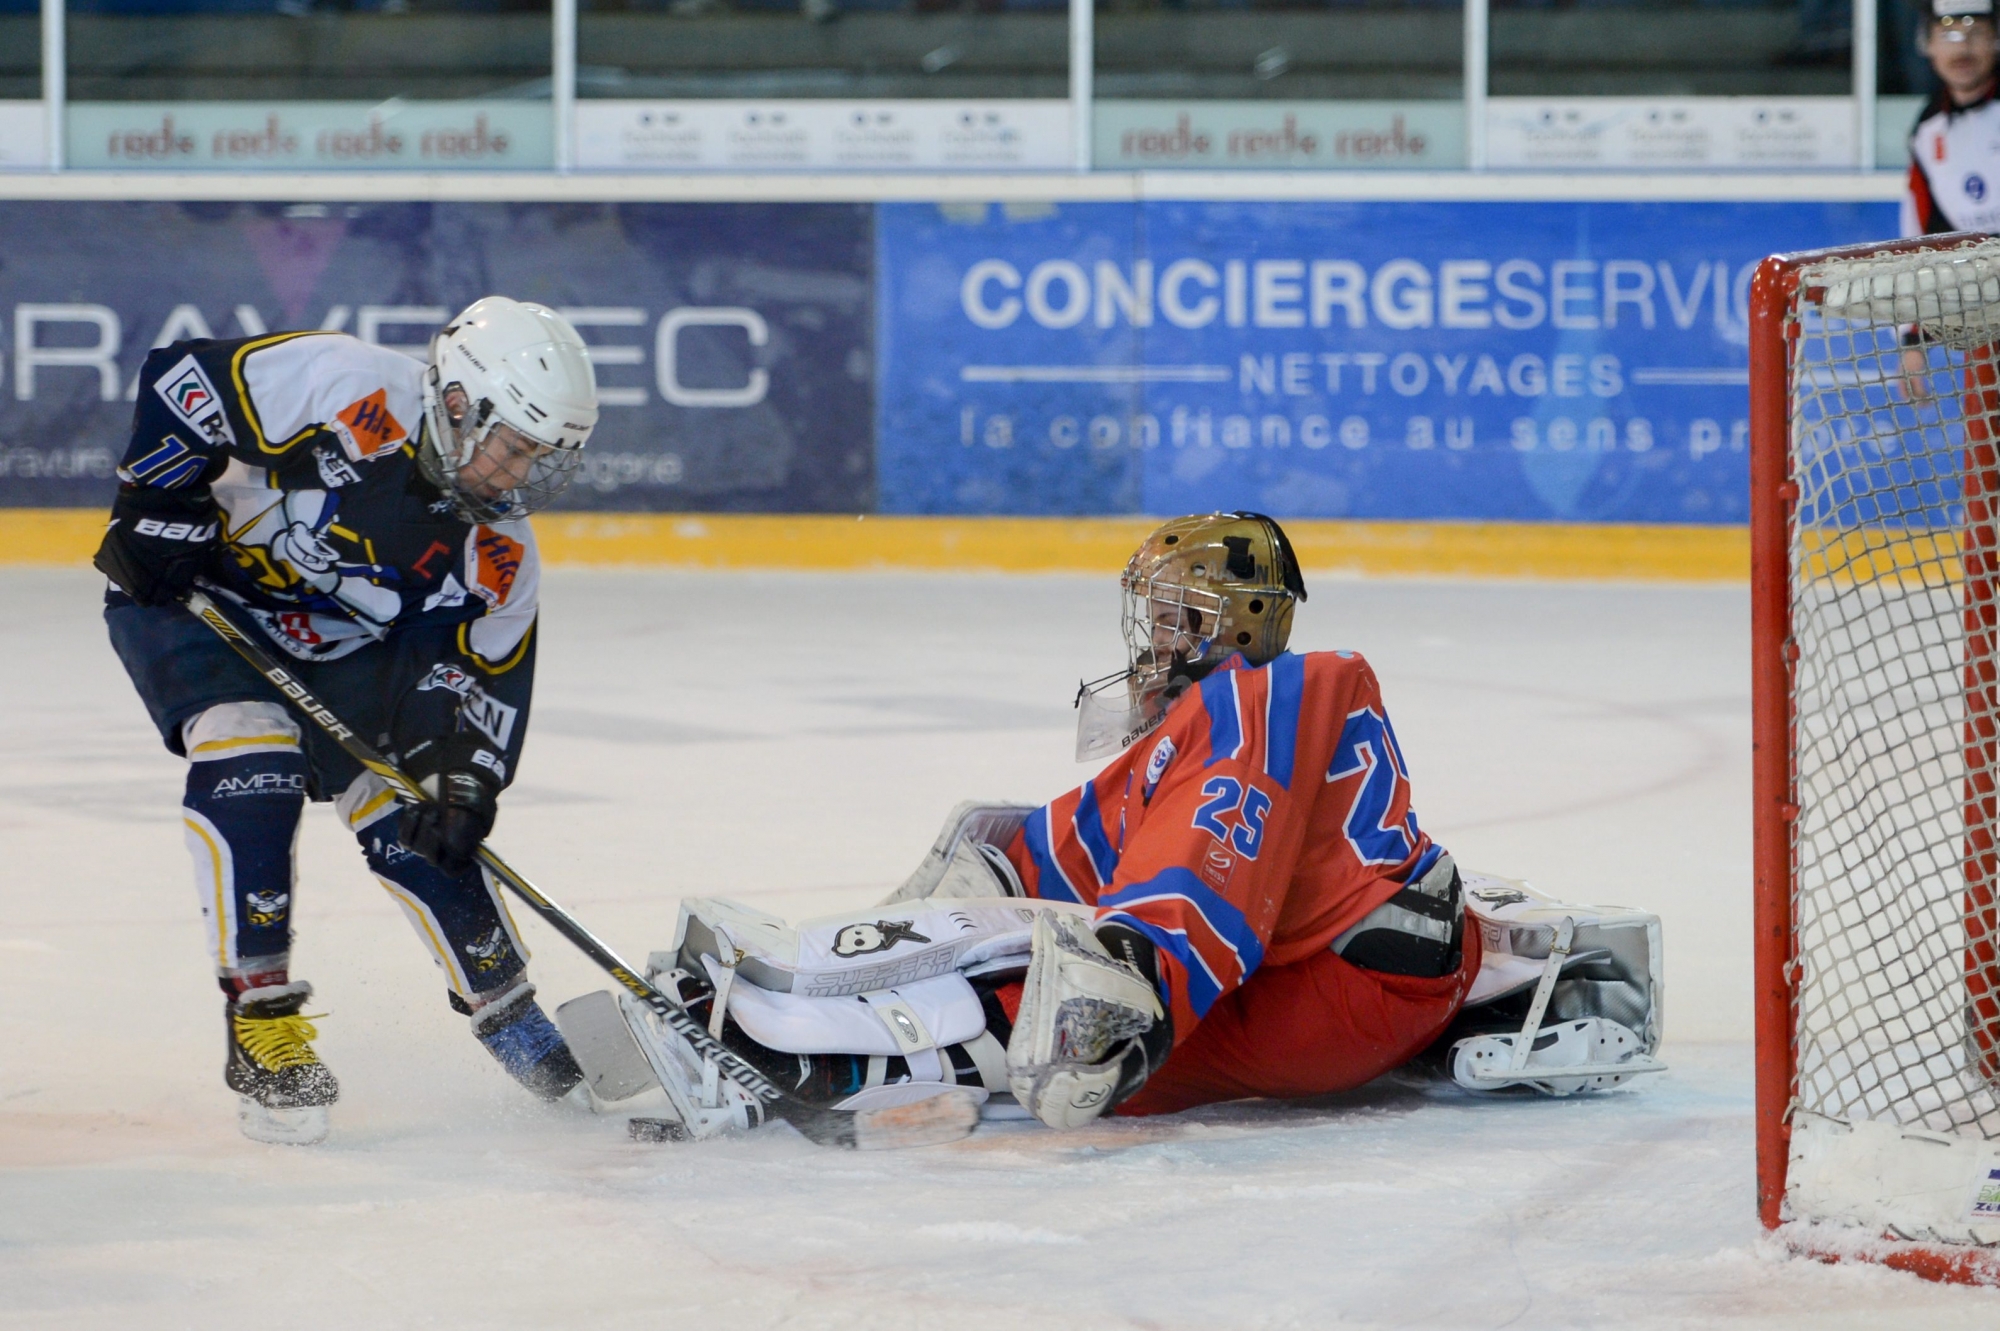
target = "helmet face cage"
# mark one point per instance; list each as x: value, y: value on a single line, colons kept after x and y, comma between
x: 1170, y: 627
x: 456, y: 428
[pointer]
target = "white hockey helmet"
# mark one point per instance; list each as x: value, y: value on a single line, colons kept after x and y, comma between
x: 513, y: 364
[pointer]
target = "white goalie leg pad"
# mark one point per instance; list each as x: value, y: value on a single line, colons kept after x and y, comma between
x: 1081, y: 1010
x: 855, y: 952
x: 971, y: 821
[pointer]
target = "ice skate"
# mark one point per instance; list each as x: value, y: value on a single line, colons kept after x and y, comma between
x: 283, y: 1088
x: 524, y: 1041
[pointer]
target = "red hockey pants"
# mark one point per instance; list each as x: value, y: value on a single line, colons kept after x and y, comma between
x: 1310, y: 1028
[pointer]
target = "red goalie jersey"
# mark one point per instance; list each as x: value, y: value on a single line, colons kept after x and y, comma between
x: 1266, y: 816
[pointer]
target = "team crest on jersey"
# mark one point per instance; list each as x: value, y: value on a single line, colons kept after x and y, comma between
x: 1156, y: 766
x: 189, y: 395
x: 366, y: 425
x: 857, y: 940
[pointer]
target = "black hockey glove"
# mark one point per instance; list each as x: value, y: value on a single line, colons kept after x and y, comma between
x: 463, y: 774
x: 159, y: 542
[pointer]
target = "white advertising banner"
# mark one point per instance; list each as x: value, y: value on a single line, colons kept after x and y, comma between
x: 1676, y: 133
x: 290, y: 136
x: 1254, y: 135
x: 24, y: 136
x: 735, y: 135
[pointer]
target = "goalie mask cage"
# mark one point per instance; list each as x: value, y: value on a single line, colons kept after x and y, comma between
x: 1875, y: 587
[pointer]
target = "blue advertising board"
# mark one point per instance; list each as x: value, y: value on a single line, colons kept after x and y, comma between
x: 1566, y: 361
x: 733, y: 342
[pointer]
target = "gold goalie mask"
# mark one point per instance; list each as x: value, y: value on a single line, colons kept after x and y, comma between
x: 1198, y: 591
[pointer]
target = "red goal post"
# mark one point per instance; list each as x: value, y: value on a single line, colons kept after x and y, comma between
x: 1875, y: 501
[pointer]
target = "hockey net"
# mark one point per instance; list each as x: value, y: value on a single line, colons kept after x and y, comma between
x: 1875, y: 402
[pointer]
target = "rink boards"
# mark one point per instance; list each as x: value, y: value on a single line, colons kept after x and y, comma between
x: 1526, y: 385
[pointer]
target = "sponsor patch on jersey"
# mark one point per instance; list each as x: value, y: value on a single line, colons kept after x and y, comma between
x: 494, y: 561
x: 334, y: 470
x: 489, y: 716
x: 366, y: 425
x: 189, y: 395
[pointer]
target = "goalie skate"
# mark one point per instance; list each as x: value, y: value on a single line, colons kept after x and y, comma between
x: 1580, y: 1051
x: 1594, y: 1054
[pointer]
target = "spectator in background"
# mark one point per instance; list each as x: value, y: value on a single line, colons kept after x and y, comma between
x: 1954, y: 180
x: 1955, y: 148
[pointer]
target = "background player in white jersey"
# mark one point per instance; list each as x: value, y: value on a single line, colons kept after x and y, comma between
x: 1954, y: 182
x: 368, y: 512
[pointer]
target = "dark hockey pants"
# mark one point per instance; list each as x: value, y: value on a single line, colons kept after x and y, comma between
x: 247, y: 786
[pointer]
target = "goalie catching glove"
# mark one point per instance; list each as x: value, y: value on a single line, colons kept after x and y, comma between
x: 462, y: 775
x: 1090, y: 1029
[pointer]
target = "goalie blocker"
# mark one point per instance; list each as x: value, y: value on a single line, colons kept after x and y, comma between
x: 924, y: 995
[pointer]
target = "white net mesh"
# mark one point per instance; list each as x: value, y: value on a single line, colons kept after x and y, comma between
x: 1894, y: 407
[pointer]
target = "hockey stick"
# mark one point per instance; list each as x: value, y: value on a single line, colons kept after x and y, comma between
x: 941, y: 1118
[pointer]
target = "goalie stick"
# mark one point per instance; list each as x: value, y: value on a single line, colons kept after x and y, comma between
x: 938, y: 1119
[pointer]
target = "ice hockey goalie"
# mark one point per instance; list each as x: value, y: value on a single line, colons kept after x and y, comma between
x: 1242, y: 903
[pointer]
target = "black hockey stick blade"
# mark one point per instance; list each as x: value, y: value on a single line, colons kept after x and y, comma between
x: 828, y: 1127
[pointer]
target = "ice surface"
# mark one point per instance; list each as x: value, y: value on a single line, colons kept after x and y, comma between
x: 795, y: 741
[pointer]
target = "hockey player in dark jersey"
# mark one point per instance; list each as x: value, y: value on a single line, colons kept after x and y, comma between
x: 368, y: 512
